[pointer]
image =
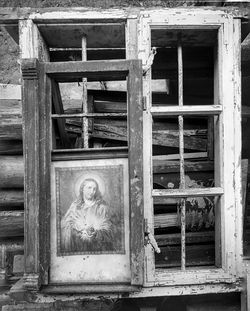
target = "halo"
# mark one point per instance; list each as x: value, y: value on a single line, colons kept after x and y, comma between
x: 92, y: 175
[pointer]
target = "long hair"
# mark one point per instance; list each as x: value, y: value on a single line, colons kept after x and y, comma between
x: 97, y: 196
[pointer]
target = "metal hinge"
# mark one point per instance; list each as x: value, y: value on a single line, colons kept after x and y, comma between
x: 149, y: 238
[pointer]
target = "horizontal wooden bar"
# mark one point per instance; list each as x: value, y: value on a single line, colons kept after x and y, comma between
x: 89, y: 115
x: 11, y: 172
x: 88, y: 154
x: 190, y: 192
x: 191, y: 155
x: 88, y: 288
x: 186, y: 110
x: 88, y: 67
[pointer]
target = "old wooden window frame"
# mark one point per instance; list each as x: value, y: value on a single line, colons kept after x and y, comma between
x: 138, y: 45
x: 229, y: 142
x: 37, y: 151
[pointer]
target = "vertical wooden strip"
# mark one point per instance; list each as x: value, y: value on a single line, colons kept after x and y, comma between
x: 85, y: 126
x: 144, y: 48
x: 228, y: 214
x: 239, y: 203
x: 135, y: 118
x: 181, y: 149
x: 218, y: 145
x: 132, y: 38
x: 30, y: 108
x: 45, y: 161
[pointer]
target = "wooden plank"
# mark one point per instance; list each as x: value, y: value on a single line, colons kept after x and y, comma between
x: 11, y: 224
x: 191, y: 238
x: 186, y: 110
x: 89, y: 67
x: 89, y: 115
x: 11, y: 172
x: 189, y: 192
x: 196, y: 255
x: 135, y: 144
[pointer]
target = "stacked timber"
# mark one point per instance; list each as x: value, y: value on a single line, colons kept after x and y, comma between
x: 11, y: 182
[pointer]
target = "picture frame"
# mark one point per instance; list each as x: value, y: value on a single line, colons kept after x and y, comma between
x: 89, y: 218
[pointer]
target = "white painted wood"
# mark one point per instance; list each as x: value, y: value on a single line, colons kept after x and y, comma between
x: 186, y: 110
x: 228, y: 213
x: 237, y: 146
x: 191, y: 155
x: 188, y: 192
x: 144, y: 49
x: 28, y: 39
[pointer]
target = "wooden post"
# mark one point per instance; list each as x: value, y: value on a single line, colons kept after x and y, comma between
x: 181, y: 148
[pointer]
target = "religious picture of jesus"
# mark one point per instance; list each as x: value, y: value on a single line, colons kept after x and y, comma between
x: 93, y: 221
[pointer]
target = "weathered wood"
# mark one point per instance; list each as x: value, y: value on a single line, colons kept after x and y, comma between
x: 10, y: 91
x: 32, y: 179
x: 186, y: 110
x: 191, y: 238
x: 11, y: 198
x: 11, y: 224
x: 188, y: 192
x: 11, y: 147
x: 135, y: 144
x: 11, y: 171
x: 196, y: 255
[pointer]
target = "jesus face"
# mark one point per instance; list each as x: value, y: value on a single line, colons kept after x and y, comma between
x: 89, y: 190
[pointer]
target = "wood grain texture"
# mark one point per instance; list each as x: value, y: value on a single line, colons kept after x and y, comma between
x: 136, y: 171
x: 11, y: 224
x: 31, y: 164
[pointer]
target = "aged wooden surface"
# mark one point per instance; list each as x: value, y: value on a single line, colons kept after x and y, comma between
x: 135, y: 123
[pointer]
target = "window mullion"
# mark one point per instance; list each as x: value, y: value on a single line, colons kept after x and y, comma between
x: 181, y: 148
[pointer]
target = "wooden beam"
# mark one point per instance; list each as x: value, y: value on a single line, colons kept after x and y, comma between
x: 191, y: 238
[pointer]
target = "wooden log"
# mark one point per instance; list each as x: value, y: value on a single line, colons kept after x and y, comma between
x: 11, y: 147
x: 11, y: 198
x: 11, y: 172
x: 196, y: 255
x: 11, y: 224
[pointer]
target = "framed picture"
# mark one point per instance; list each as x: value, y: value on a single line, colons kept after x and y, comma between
x: 89, y: 216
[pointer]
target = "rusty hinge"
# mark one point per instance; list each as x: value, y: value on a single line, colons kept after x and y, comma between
x: 149, y: 238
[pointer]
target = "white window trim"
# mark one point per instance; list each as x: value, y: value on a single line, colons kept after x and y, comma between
x: 229, y: 143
